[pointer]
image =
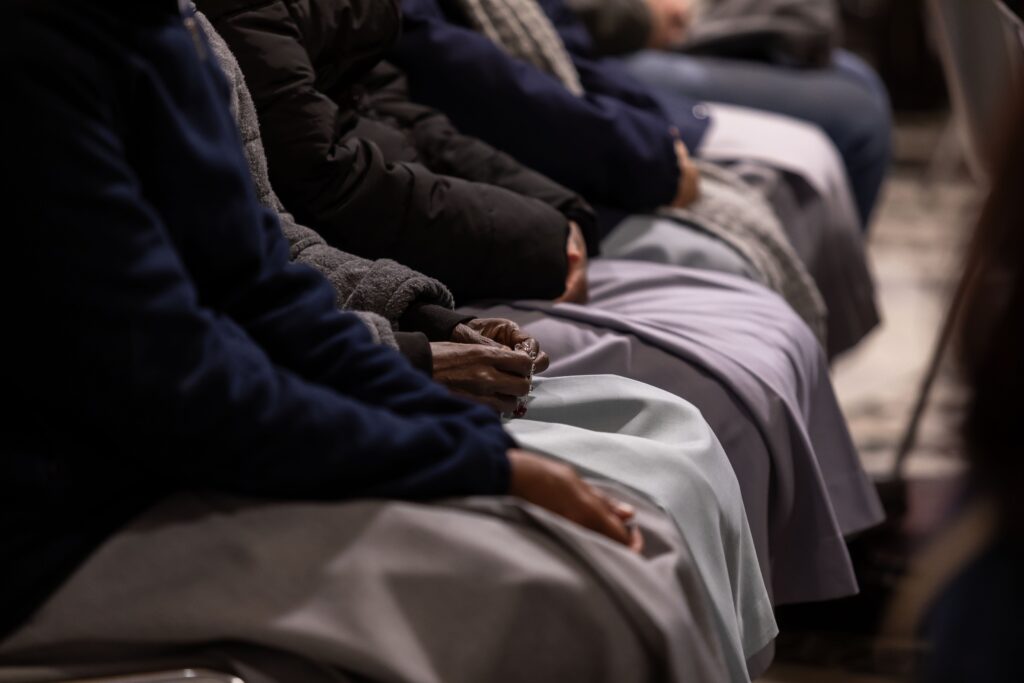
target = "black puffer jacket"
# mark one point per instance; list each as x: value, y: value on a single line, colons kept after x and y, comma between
x: 380, y: 176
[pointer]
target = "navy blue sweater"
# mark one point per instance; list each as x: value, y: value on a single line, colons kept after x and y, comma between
x: 613, y: 145
x: 156, y: 338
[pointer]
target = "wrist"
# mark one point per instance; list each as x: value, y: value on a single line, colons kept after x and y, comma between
x: 437, y: 322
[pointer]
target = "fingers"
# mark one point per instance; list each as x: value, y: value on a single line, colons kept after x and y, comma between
x: 558, y: 488
x: 575, y: 288
x: 689, y: 185
x: 595, y: 512
x: 503, y: 334
x: 603, y: 520
x: 478, y: 358
x: 501, y: 373
x: 524, y: 342
x: 481, y: 370
x: 636, y: 540
x: 577, y: 244
x: 531, y: 346
x: 542, y: 362
x: 576, y: 278
x: 682, y: 153
x: 514, y: 362
x: 625, y: 515
x: 467, y: 334
x: 463, y: 334
x: 484, y: 340
x: 623, y: 511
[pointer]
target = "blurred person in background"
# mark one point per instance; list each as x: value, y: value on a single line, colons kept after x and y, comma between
x: 965, y: 595
x: 779, y: 56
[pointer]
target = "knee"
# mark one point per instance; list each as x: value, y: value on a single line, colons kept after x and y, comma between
x: 857, y: 70
x: 871, y: 133
x: 871, y: 123
x: 563, y: 622
x: 798, y: 343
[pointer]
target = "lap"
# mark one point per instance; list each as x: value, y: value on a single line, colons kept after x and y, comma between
x: 389, y: 590
x: 760, y: 379
x: 781, y: 142
x: 822, y: 222
x: 839, y: 98
x: 847, y: 100
x: 660, y: 445
x: 661, y: 240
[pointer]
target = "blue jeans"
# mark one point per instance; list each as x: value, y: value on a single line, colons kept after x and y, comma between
x: 847, y: 100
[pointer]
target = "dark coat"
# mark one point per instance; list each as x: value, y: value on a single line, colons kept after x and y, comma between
x: 157, y: 337
x: 613, y: 146
x: 382, y: 177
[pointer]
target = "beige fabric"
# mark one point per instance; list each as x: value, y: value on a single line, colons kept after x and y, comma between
x: 521, y: 28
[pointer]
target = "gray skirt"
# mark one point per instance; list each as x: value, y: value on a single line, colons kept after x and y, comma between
x: 815, y: 206
x: 477, y: 589
x: 809, y: 193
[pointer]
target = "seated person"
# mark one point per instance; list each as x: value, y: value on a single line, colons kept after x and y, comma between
x: 727, y: 346
x: 192, y: 411
x: 628, y: 432
x: 831, y: 88
x: 589, y: 125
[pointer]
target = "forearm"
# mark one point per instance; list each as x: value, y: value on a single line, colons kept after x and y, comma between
x: 606, y: 149
x: 443, y: 149
x: 477, y: 239
x: 216, y: 409
x: 194, y: 352
x: 384, y: 287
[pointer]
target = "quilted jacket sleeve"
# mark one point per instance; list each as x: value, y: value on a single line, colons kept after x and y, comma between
x: 443, y: 149
x: 478, y: 239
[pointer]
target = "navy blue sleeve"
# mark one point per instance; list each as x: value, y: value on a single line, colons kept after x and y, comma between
x: 608, y: 77
x: 277, y: 394
x: 607, y: 149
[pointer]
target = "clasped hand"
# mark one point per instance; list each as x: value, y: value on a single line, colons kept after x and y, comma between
x: 489, y: 360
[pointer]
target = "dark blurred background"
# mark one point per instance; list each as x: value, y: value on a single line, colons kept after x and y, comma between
x: 894, y: 37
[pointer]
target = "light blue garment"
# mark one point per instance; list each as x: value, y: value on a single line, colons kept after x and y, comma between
x: 660, y: 445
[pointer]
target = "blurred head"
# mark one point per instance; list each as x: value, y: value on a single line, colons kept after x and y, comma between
x: 990, y: 333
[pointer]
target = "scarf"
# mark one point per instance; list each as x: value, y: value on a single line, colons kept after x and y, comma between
x: 521, y: 28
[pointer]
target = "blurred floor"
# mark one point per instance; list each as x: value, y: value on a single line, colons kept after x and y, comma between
x: 916, y: 246
x: 784, y: 673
